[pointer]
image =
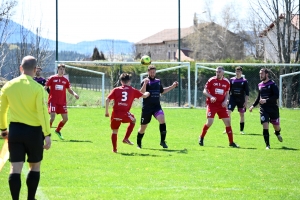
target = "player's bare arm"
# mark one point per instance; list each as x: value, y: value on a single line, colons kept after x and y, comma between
x: 212, y: 98
x: 171, y: 87
x: 73, y: 93
x: 47, y: 142
x: 146, y: 94
x: 106, y: 107
x: 224, y: 103
x: 146, y: 81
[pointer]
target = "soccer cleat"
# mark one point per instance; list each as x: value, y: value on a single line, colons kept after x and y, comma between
x: 279, y: 138
x: 115, y: 151
x: 242, y: 132
x: 126, y: 141
x: 164, y: 145
x: 139, y: 144
x: 224, y: 131
x: 200, y: 142
x: 234, y: 145
x: 268, y: 147
x: 59, y: 135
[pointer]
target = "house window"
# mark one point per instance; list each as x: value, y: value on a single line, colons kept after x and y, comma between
x: 169, y: 55
x: 174, y: 54
x: 174, y: 45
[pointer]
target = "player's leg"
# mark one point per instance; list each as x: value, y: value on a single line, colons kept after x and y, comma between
x: 52, y: 111
x: 145, y: 120
x: 17, y: 153
x: 34, y: 145
x: 114, y: 125
x: 275, y: 120
x: 160, y: 116
x: 223, y: 114
x: 230, y: 108
x: 210, y: 114
x: 61, y: 109
x: 131, y: 120
x: 264, y: 120
x: 242, y: 111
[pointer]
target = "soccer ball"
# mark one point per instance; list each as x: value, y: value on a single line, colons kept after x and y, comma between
x: 146, y: 60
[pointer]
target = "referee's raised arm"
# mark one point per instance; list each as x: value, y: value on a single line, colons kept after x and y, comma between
x: 28, y: 131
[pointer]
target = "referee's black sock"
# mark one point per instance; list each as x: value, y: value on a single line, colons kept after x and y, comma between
x: 242, y: 124
x: 32, y: 181
x: 14, y: 181
x: 163, y: 132
x: 266, y: 136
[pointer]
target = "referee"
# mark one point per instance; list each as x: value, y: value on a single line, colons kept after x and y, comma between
x: 28, y: 128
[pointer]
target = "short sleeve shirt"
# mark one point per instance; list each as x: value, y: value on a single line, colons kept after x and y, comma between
x: 123, y: 97
x: 58, y: 86
x: 217, y: 88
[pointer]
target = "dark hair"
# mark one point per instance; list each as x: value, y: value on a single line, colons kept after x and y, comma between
x: 39, y: 68
x: 124, y: 77
x: 265, y: 70
x: 239, y: 68
x: 220, y: 67
x: 29, y: 63
x: 151, y: 67
x: 61, y: 65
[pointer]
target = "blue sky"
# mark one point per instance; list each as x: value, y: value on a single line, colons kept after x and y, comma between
x: 132, y: 20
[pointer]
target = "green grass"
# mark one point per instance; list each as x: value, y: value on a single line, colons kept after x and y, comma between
x: 84, y: 167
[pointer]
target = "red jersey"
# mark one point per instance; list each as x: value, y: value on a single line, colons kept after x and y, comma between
x: 58, y: 86
x: 123, y: 97
x: 217, y: 88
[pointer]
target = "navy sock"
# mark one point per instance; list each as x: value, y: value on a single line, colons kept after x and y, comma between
x: 163, y: 131
x: 266, y: 137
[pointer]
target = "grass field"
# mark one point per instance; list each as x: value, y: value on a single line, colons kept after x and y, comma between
x: 84, y: 167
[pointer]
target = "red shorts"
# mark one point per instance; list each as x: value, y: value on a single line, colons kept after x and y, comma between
x: 120, y: 117
x: 58, y: 109
x: 212, y: 110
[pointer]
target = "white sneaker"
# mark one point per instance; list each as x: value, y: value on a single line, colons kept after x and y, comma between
x: 268, y: 147
x: 242, y: 132
x: 224, y: 131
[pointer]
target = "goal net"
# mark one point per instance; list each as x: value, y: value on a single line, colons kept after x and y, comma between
x: 93, y: 80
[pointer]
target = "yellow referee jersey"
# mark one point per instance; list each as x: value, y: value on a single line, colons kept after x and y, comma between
x: 25, y: 98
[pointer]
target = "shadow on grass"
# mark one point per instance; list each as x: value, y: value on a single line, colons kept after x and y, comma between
x: 138, y: 154
x: 87, y: 141
x: 286, y: 148
x: 183, y: 151
x: 251, y: 148
x: 253, y: 134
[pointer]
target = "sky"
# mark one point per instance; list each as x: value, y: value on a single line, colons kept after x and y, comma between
x: 131, y: 20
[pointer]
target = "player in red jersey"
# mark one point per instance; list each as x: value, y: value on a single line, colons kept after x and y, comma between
x: 217, y: 92
x: 123, y: 97
x: 57, y: 101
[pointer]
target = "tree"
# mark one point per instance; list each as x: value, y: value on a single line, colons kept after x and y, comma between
x: 6, y: 12
x: 280, y: 34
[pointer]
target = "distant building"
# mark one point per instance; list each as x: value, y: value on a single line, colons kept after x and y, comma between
x: 269, y: 36
x: 205, y: 41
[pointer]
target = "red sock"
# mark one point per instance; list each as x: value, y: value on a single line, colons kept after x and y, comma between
x: 129, y: 130
x: 114, y: 138
x: 60, y: 126
x: 204, y: 131
x: 229, y: 133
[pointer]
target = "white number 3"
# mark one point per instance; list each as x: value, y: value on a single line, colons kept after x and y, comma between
x: 124, y: 96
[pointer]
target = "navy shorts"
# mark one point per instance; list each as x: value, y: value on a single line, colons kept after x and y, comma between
x: 269, y: 113
x: 239, y: 102
x: 147, y: 114
x: 25, y: 140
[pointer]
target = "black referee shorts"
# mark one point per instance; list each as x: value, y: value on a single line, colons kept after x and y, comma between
x: 25, y: 140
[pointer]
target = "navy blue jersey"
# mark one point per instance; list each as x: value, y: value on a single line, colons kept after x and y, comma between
x: 269, y: 91
x: 239, y: 87
x: 155, y: 88
x: 40, y: 80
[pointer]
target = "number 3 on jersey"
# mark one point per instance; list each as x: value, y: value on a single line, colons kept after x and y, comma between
x: 124, y: 96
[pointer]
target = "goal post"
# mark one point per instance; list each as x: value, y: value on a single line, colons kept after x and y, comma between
x: 280, y: 85
x: 183, y: 64
x: 289, y: 88
x: 85, y: 75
